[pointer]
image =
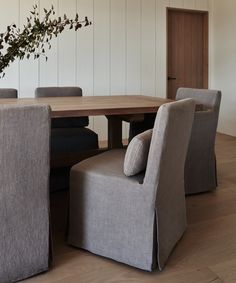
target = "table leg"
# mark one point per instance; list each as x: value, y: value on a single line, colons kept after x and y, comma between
x: 114, y: 132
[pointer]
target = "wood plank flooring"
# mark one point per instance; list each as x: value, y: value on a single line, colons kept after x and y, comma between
x: 206, y: 253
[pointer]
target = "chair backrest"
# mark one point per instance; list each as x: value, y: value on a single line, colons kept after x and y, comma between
x: 200, y: 169
x: 164, y: 177
x: 169, y: 143
x: 209, y: 98
x: 58, y: 91
x: 8, y: 93
x: 24, y: 191
x: 206, y: 121
x: 72, y: 122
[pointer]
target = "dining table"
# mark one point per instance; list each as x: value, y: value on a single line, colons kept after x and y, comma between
x: 116, y: 108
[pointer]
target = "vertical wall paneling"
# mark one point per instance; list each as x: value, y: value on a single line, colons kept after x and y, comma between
x: 118, y: 49
x: 177, y: 3
x: 102, y: 47
x: 210, y: 8
x: 148, y: 47
x: 85, y: 48
x: 102, y: 86
x: 67, y: 47
x: 223, y: 61
x: 190, y: 4
x: 9, y: 14
x: 28, y: 68
x: 85, y: 51
x: 202, y: 5
x: 161, y: 55
x: 133, y: 46
x: 48, y: 69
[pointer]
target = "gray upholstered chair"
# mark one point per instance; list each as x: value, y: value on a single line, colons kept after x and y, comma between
x: 8, y: 93
x: 24, y: 191
x: 200, y: 167
x: 71, y: 141
x: 135, y: 220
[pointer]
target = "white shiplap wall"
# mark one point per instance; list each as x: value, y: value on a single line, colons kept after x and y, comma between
x: 223, y: 61
x: 123, y: 52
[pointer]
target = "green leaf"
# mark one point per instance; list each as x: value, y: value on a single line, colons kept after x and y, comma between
x: 17, y: 43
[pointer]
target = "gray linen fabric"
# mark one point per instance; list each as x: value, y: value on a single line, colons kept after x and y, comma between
x: 200, y: 166
x: 8, y: 93
x: 135, y: 220
x: 137, y: 153
x: 58, y: 91
x: 24, y: 196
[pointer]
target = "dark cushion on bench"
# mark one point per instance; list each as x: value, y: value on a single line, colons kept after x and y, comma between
x: 65, y: 140
x: 72, y: 122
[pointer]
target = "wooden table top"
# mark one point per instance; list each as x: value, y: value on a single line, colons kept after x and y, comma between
x: 94, y: 105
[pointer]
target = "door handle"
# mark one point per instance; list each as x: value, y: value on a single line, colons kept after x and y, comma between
x: 171, y: 78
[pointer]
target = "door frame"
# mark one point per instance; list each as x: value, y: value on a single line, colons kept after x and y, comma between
x: 205, y: 43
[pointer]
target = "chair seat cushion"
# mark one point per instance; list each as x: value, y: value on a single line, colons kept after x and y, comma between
x: 137, y: 153
x: 71, y: 122
x: 108, y: 165
x: 68, y: 140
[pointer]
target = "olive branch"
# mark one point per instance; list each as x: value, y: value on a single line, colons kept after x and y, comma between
x: 35, y: 37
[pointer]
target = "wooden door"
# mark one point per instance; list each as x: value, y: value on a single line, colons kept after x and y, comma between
x: 187, y: 50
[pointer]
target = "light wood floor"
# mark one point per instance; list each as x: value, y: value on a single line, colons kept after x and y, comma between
x: 207, y: 252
